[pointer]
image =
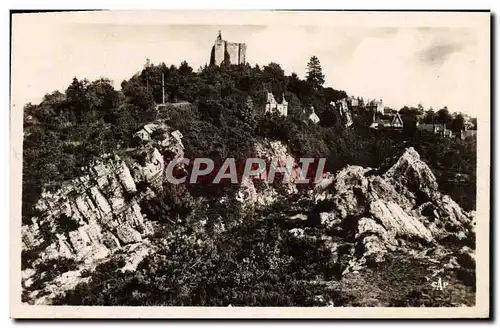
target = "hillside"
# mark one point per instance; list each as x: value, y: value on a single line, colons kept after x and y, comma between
x: 102, y: 226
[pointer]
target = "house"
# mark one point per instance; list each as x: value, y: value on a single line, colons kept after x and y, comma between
x: 387, y: 122
x: 353, y: 103
x: 141, y: 136
x: 375, y: 106
x: 438, y: 129
x: 314, y: 117
x: 272, y: 106
x: 389, y: 111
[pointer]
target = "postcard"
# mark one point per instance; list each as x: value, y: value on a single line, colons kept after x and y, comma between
x: 250, y: 164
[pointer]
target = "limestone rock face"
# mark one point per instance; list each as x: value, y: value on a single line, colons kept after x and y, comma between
x: 383, y: 209
x: 409, y: 173
x: 398, y: 222
x: 367, y: 226
x: 128, y: 235
x: 351, y: 177
x: 91, y: 216
x: 270, y: 152
x: 329, y: 220
x: 344, y: 112
x: 150, y: 168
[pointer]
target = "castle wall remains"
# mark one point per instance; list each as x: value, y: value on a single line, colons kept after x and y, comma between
x: 219, y: 52
x: 234, y: 52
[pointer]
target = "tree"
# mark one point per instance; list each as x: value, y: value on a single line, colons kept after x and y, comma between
x: 247, y: 114
x: 138, y: 95
x: 185, y: 69
x: 274, y: 71
x: 430, y: 117
x: 300, y: 88
x: 444, y: 116
x: 420, y: 108
x: 458, y: 123
x: 77, y: 91
x: 314, y: 72
x: 102, y: 96
x: 333, y: 95
x: 76, y: 96
x: 409, y: 117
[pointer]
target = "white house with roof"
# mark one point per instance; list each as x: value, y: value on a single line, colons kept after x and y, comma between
x: 272, y: 106
x: 313, y: 116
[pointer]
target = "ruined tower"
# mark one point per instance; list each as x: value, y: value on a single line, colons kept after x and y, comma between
x: 228, y: 52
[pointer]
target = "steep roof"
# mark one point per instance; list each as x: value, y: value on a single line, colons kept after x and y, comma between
x: 270, y: 97
x: 397, y: 120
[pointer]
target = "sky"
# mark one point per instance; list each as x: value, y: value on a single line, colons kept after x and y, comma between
x: 435, y: 65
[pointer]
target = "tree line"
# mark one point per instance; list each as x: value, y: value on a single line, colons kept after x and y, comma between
x: 68, y: 129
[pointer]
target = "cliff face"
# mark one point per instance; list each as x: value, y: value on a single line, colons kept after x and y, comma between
x: 344, y: 112
x: 265, y: 194
x: 92, y: 216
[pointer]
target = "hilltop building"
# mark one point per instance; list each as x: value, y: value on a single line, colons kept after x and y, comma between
x: 353, y: 103
x: 272, y: 106
x: 228, y: 52
x: 387, y: 122
x: 375, y: 106
x: 313, y: 116
x: 390, y: 111
x: 438, y: 129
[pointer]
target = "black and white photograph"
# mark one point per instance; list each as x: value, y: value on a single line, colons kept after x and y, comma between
x: 249, y: 164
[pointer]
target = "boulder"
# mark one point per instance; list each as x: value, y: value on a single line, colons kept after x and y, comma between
x: 374, y: 249
x: 398, y: 222
x: 297, y: 232
x: 411, y: 174
x: 329, y: 220
x: 349, y: 203
x: 128, y: 235
x: 351, y: 177
x: 110, y: 241
x: 368, y: 226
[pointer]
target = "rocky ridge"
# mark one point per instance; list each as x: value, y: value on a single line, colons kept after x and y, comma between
x: 89, y: 218
x: 394, y: 208
x: 364, y: 213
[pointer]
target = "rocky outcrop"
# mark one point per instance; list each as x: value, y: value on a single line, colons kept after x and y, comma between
x: 254, y: 190
x: 413, y: 177
x: 344, y: 112
x: 379, y: 211
x: 92, y: 216
x: 363, y: 214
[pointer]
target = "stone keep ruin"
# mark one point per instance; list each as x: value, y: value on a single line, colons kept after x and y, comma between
x: 229, y: 52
